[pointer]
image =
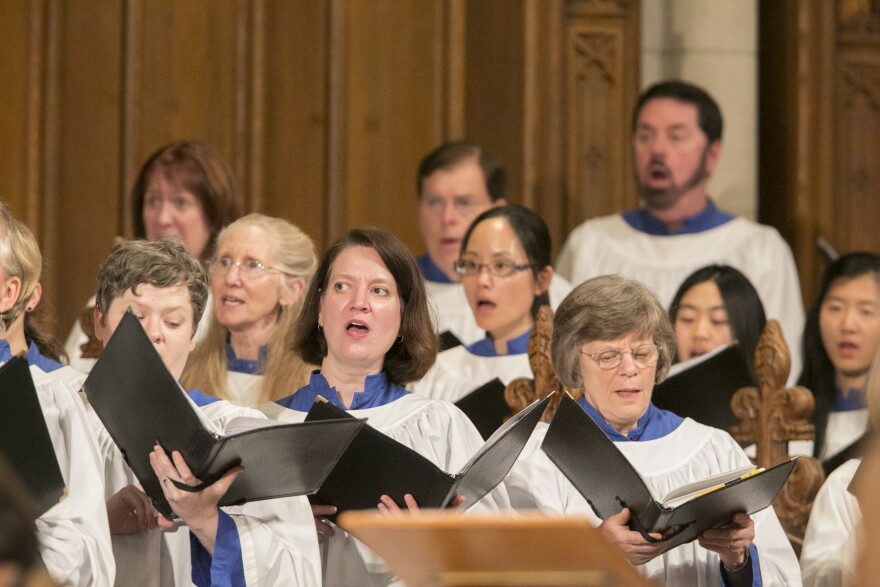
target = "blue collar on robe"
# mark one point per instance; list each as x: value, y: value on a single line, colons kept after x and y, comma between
x: 515, y: 346
x: 200, y: 398
x: 706, y: 219
x: 247, y: 365
x: 378, y: 391
x: 855, y: 400
x: 430, y: 270
x: 34, y: 357
x: 656, y: 423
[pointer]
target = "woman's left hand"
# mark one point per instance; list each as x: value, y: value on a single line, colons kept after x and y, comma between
x: 197, y: 509
x: 730, y: 541
x: 388, y: 506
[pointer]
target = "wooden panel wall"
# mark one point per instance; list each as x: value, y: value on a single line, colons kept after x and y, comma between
x: 820, y: 127
x: 322, y: 107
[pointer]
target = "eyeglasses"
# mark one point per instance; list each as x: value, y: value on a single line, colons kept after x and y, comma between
x: 498, y: 268
x: 643, y: 355
x: 248, y: 269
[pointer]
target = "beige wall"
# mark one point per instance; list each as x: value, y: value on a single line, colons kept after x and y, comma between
x: 714, y: 44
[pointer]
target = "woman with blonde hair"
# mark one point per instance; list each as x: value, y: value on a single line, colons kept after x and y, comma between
x: 259, y: 273
x: 73, y: 535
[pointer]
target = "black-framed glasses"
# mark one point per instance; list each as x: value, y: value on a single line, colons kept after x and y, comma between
x: 248, y: 269
x: 497, y: 267
x: 643, y: 356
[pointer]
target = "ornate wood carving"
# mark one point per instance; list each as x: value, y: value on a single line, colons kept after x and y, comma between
x: 772, y: 415
x: 92, y: 348
x: 519, y: 393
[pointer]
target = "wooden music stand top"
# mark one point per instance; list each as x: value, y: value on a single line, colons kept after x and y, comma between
x: 432, y: 549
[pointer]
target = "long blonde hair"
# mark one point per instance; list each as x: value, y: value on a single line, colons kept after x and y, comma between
x: 284, y: 372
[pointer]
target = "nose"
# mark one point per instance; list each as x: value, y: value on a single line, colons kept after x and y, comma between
x: 153, y: 328
x: 701, y: 328
x: 359, y: 299
x: 850, y: 321
x: 448, y: 214
x: 628, y: 365
x: 484, y: 278
x: 166, y: 215
x: 233, y: 275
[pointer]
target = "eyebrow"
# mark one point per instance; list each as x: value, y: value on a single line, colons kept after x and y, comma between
x: 693, y: 307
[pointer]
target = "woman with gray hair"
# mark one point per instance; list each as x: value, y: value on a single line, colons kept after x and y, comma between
x: 613, y: 339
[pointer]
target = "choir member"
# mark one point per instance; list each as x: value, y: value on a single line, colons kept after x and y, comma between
x: 840, y: 339
x: 714, y: 306
x: 365, y: 321
x: 505, y: 268
x: 830, y: 546
x: 262, y: 543
x: 73, y: 535
x: 184, y: 189
x: 259, y: 273
x: 613, y: 339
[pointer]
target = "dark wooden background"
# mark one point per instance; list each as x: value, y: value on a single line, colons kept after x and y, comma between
x: 324, y: 108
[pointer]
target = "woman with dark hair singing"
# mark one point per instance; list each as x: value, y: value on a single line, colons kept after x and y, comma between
x: 365, y: 321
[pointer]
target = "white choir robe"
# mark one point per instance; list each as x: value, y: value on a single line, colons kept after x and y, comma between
x: 457, y: 372
x: 76, y: 338
x: 843, y: 429
x: 452, y: 312
x: 608, y: 244
x: 435, y: 429
x: 830, y: 547
x: 689, y: 453
x: 278, y: 539
x: 74, y: 536
x: 242, y: 388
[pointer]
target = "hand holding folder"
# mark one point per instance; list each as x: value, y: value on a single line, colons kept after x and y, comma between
x: 606, y: 479
x: 141, y: 404
x: 375, y: 465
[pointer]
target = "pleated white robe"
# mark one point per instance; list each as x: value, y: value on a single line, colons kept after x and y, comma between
x: 689, y: 453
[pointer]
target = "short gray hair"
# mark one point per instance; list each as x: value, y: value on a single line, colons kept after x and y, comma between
x: 161, y: 263
x: 608, y: 308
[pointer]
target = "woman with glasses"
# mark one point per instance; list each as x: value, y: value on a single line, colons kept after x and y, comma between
x: 184, y: 189
x: 259, y: 273
x: 613, y: 339
x: 505, y: 268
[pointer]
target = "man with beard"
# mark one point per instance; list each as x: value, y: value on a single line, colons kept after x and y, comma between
x: 676, y: 134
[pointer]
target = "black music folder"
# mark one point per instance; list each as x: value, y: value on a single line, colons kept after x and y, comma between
x: 25, y: 439
x: 606, y: 479
x: 486, y: 408
x: 376, y: 465
x: 448, y: 340
x: 701, y: 389
x: 140, y: 403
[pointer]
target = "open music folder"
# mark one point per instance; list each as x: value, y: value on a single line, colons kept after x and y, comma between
x: 701, y: 389
x: 375, y: 465
x: 140, y: 404
x: 607, y: 480
x: 24, y: 437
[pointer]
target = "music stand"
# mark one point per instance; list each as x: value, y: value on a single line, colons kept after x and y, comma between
x: 433, y: 549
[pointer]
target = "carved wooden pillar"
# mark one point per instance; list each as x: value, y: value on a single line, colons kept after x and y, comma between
x: 519, y: 393
x: 772, y: 415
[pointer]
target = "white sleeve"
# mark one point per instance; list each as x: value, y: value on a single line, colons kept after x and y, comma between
x: 830, y: 539
x: 779, y: 566
x: 780, y: 290
x: 567, y: 259
x: 279, y: 542
x: 73, y: 345
x: 74, y: 534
